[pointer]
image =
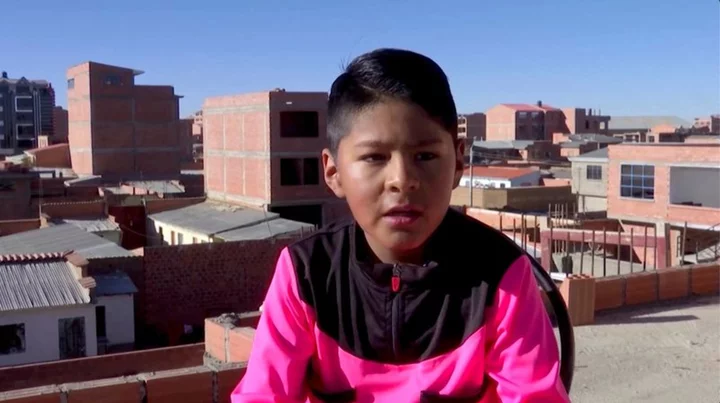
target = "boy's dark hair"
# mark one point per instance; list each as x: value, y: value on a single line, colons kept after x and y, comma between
x: 389, y: 74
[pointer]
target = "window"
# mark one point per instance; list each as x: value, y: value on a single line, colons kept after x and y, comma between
x: 71, y: 83
x: 100, y: 323
x: 112, y: 80
x: 651, y: 139
x: 594, y: 172
x: 637, y: 181
x: 587, y: 124
x: 461, y: 129
x: 25, y: 130
x: 535, y: 115
x: 12, y: 339
x: 180, y: 238
x: 299, y: 124
x: 299, y: 171
x: 23, y: 103
x: 311, y: 171
x: 7, y: 185
x: 522, y: 115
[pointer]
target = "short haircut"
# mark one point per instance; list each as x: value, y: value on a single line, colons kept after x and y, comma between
x: 389, y: 74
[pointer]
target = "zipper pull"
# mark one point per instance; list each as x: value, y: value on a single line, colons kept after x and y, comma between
x: 396, y: 279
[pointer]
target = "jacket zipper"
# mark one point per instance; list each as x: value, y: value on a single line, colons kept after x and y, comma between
x: 395, y: 284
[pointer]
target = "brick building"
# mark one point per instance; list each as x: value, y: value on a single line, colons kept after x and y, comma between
x: 16, y: 192
x: 119, y: 129
x: 60, y: 123
x: 472, y: 126
x: 665, y: 183
x: 263, y: 150
x: 590, y: 180
x: 26, y: 112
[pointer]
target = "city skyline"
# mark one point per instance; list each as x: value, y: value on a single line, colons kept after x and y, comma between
x: 643, y: 58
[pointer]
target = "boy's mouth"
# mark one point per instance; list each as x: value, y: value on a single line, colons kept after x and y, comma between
x: 403, y: 215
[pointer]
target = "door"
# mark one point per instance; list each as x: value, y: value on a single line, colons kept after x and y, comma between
x: 71, y: 335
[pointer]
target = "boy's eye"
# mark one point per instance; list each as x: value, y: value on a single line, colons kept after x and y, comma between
x: 373, y: 157
x: 426, y: 156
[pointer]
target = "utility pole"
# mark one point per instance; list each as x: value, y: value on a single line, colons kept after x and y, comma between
x: 472, y: 154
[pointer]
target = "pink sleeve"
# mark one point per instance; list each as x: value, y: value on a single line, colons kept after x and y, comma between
x: 282, y: 346
x: 523, y: 353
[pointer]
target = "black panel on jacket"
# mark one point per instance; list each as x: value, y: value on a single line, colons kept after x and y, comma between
x: 437, y: 307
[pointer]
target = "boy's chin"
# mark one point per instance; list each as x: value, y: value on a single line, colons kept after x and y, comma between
x: 404, y: 242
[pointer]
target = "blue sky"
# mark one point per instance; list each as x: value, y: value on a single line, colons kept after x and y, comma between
x: 621, y: 56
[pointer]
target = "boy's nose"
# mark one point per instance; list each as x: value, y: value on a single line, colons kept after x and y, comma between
x: 402, y: 176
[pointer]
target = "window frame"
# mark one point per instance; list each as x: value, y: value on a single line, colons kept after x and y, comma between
x: 595, y: 169
x: 629, y: 178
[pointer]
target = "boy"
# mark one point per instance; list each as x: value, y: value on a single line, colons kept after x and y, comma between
x: 410, y: 301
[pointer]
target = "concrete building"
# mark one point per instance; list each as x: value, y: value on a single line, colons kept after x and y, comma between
x: 263, y: 150
x: 515, y: 150
x: 472, y: 126
x: 499, y: 177
x: 119, y: 129
x: 217, y: 222
x: 60, y: 122
x: 26, y: 112
x: 590, y: 180
x: 665, y: 183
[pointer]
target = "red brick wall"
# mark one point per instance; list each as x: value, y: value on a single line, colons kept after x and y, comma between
x: 185, y: 284
x: 16, y: 203
x: 660, y: 156
x: 14, y: 226
x: 74, y: 209
x: 57, y: 156
x: 60, y: 124
x: 103, y: 366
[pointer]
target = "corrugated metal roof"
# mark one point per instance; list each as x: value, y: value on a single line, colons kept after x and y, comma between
x: 89, y: 224
x: 594, y: 137
x: 212, y: 218
x: 114, y: 284
x: 503, y: 145
x: 61, y: 238
x: 265, y: 230
x: 645, y: 122
x: 39, y: 284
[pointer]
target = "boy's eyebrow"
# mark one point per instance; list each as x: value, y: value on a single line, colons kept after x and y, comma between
x: 379, y: 144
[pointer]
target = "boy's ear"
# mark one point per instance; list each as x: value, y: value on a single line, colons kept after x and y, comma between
x: 459, y: 161
x: 330, y: 173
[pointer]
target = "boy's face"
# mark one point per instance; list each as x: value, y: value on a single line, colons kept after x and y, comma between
x: 397, y: 168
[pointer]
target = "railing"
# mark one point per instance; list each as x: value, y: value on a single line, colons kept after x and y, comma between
x: 706, y: 246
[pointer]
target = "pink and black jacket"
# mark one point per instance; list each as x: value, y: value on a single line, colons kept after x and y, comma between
x: 468, y: 326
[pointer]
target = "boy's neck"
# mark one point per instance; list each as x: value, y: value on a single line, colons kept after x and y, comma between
x: 383, y: 255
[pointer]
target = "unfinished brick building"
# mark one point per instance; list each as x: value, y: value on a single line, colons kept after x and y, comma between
x: 263, y: 150
x: 118, y: 129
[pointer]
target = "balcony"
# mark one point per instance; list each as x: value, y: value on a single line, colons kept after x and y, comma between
x: 694, y: 195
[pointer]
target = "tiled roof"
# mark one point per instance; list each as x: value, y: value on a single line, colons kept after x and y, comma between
x: 61, y: 238
x: 498, y: 172
x: 40, y: 281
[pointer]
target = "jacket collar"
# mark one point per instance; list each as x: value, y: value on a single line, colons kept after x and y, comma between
x: 435, y: 251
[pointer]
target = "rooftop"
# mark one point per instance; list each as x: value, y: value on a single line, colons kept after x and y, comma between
x: 61, y: 238
x: 498, y: 172
x: 503, y: 145
x: 530, y: 107
x: 228, y: 222
x: 117, y: 283
x: 600, y: 154
x: 39, y: 281
x: 89, y: 224
x: 645, y: 122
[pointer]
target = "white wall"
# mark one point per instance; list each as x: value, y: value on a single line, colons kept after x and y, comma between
x: 119, y: 318
x: 699, y: 185
x: 42, y: 341
x: 153, y: 228
x: 531, y: 179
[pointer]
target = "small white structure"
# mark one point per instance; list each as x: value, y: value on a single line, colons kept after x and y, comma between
x: 52, y: 313
x: 500, y: 177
